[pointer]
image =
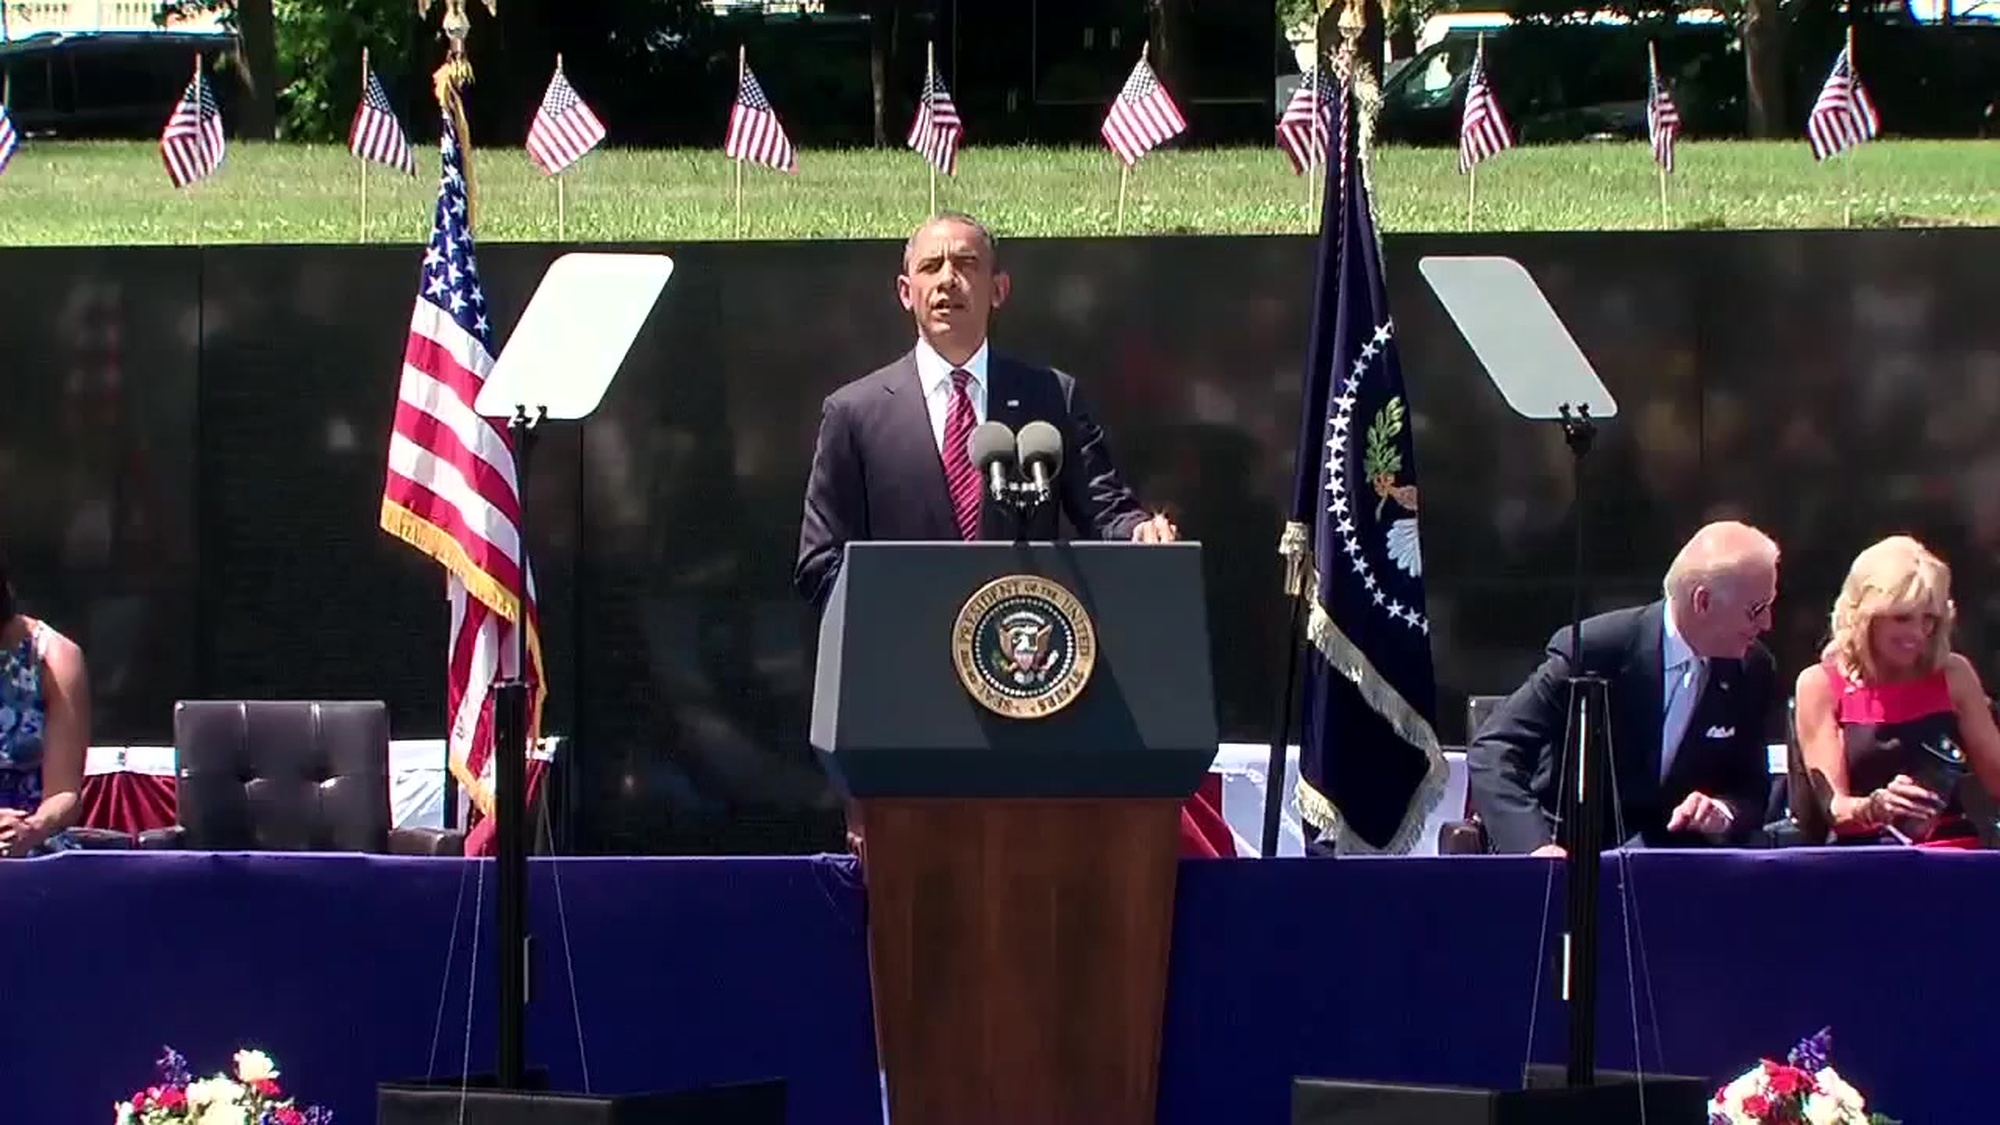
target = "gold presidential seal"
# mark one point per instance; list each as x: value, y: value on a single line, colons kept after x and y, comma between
x: 1024, y: 646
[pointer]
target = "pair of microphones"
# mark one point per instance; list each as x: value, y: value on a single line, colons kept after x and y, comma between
x: 1019, y: 469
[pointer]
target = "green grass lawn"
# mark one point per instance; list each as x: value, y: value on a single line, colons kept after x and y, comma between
x: 117, y: 193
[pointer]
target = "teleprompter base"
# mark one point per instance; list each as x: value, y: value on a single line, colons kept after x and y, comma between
x: 439, y: 1102
x: 1669, y: 1100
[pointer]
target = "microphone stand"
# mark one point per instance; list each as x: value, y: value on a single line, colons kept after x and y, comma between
x: 1581, y: 829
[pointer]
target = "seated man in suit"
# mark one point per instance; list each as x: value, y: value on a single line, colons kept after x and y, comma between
x: 891, y: 459
x: 1690, y: 694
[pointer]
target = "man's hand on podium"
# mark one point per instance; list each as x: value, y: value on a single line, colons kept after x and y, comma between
x: 1159, y: 529
x: 1549, y: 851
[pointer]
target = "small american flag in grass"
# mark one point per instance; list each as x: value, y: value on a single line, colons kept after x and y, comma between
x: 564, y: 128
x: 10, y: 140
x: 376, y: 134
x: 755, y: 133
x: 1482, y: 131
x: 191, y: 145
x: 1663, y: 118
x: 936, y: 132
x: 1308, y: 117
x: 1143, y: 117
x: 1843, y: 115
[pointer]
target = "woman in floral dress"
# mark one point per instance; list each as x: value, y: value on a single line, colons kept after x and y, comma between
x: 44, y: 728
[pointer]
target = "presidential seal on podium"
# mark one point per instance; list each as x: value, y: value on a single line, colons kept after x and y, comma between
x: 1024, y: 646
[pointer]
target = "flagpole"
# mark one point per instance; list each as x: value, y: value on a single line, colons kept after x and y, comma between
x: 201, y: 140
x: 1313, y: 159
x: 930, y: 79
x: 1471, y: 193
x: 562, y: 218
x: 1853, y: 150
x: 1658, y: 86
x: 362, y: 175
x: 742, y: 63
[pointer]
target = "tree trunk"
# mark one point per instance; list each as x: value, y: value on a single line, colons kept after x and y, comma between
x: 881, y: 24
x: 1764, y: 67
x: 257, y: 116
x: 1166, y: 31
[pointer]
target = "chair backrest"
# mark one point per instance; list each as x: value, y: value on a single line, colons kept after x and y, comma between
x: 283, y: 775
x: 1478, y: 709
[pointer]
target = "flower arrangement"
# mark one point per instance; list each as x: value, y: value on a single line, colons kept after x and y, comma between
x: 252, y: 1097
x: 1802, y: 1090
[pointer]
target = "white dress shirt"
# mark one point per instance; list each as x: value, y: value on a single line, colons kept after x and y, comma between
x: 1683, y: 676
x: 934, y: 375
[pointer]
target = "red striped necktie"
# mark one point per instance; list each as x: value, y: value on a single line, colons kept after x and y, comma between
x: 960, y: 478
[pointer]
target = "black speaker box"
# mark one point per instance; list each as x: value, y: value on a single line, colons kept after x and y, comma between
x: 1669, y: 1100
x: 440, y: 1101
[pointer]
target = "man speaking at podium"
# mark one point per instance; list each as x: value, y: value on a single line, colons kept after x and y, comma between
x: 891, y: 460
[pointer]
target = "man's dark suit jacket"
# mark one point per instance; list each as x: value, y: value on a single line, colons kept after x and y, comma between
x: 1513, y: 759
x: 877, y: 474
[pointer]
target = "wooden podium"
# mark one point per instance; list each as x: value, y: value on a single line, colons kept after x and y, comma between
x: 1016, y: 727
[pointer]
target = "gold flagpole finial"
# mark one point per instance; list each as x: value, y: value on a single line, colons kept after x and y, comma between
x: 450, y: 77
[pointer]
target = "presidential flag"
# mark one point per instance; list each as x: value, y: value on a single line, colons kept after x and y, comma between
x: 1370, y: 768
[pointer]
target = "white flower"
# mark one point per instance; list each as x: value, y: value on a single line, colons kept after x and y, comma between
x: 1823, y: 1110
x: 1830, y: 1086
x: 254, y: 1066
x: 213, y: 1091
x: 224, y: 1113
x: 125, y: 1112
x: 1405, y: 550
x: 1748, y: 1083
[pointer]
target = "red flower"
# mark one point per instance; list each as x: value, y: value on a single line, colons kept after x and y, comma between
x: 286, y: 1115
x: 266, y: 1087
x: 169, y: 1098
x: 140, y: 1099
x: 1786, y: 1081
x: 1757, y: 1105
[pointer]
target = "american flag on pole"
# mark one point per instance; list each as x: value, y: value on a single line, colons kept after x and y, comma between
x: 1843, y: 115
x: 755, y: 134
x: 10, y: 141
x: 1482, y: 131
x: 376, y: 134
x: 936, y: 132
x: 1663, y: 118
x: 191, y: 145
x: 1303, y: 127
x: 451, y: 491
x: 564, y: 129
x: 1143, y: 116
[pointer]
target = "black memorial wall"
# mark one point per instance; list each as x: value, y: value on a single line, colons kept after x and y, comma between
x: 192, y: 441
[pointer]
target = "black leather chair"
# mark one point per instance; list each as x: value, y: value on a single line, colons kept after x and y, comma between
x: 289, y: 776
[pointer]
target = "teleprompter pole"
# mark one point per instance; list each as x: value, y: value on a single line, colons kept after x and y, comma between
x: 510, y: 785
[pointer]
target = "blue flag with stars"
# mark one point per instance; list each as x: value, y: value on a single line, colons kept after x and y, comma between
x: 1370, y: 768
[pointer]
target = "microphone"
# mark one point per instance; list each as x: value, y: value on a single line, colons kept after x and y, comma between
x: 991, y: 447
x: 1040, y: 448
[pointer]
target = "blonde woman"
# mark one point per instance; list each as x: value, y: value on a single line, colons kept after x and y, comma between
x: 1890, y: 717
